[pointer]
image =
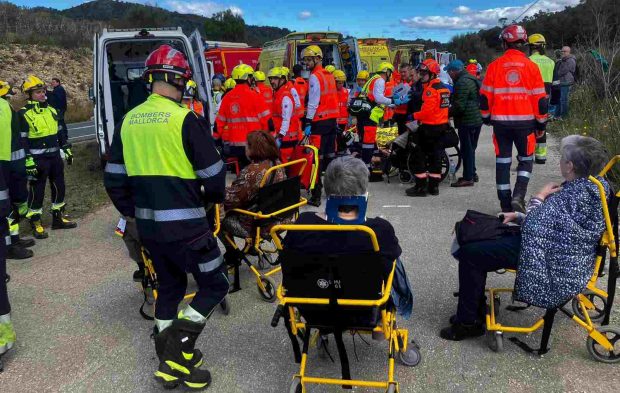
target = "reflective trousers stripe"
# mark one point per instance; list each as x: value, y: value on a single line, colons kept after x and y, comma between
x: 503, y: 187
x: 524, y: 174
x: 170, y: 215
x: 43, y: 151
x: 211, y: 265
x: 4, y: 194
x: 528, y: 158
x: 7, y: 240
x: 503, y: 160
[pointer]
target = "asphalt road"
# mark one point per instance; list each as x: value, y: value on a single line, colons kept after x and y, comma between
x: 75, y: 310
x: 81, y: 131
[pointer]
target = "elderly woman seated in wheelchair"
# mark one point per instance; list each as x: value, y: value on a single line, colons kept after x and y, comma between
x: 554, y: 253
x: 262, y: 152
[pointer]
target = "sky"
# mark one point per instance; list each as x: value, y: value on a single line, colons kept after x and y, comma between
x: 402, y: 19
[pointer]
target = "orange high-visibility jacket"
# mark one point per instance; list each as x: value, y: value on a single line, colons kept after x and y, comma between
x: 513, y: 93
x: 292, y: 134
x: 435, y: 104
x: 266, y: 93
x: 343, y: 101
x: 301, y: 85
x: 328, y: 104
x: 241, y: 112
x: 196, y: 106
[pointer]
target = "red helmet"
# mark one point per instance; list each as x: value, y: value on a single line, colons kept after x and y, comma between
x: 431, y: 66
x: 166, y: 59
x: 514, y: 33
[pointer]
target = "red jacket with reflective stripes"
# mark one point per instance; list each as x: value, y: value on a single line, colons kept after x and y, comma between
x: 266, y: 92
x: 292, y: 134
x: 328, y: 104
x: 513, y: 93
x: 435, y: 104
x: 301, y: 85
x: 343, y: 101
x: 241, y: 112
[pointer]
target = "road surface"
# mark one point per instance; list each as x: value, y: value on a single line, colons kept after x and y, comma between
x: 81, y: 131
x: 76, y: 314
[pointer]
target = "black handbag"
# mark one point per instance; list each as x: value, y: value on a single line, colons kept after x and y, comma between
x: 476, y: 227
x: 449, y: 138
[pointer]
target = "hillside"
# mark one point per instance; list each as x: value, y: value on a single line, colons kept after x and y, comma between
x: 123, y: 14
x: 73, y: 67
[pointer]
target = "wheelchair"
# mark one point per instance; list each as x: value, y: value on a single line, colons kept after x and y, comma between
x: 336, y: 293
x: 400, y: 155
x: 150, y: 284
x: 274, y: 202
x: 601, y: 342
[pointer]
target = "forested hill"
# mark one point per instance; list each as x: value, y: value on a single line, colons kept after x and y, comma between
x: 75, y: 26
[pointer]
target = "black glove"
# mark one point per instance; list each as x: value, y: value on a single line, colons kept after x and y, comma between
x: 541, y: 126
x: 486, y: 121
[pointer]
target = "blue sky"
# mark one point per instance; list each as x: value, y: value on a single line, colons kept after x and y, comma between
x: 404, y: 19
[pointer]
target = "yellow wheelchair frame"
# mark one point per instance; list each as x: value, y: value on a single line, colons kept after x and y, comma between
x: 151, y: 275
x: 581, y: 305
x: 265, y: 284
x: 396, y: 337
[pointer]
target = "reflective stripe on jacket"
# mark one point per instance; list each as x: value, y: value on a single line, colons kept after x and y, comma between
x: 241, y: 112
x: 435, y: 104
x: 513, y: 93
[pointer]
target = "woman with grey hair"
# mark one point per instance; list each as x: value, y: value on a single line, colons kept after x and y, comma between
x: 347, y: 178
x: 554, y: 253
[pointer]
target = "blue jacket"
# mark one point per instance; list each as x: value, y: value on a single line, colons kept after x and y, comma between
x: 559, y: 242
x: 57, y: 98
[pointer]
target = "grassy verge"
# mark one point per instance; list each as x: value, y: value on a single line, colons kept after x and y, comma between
x: 592, y: 116
x: 84, y: 185
x: 78, y: 111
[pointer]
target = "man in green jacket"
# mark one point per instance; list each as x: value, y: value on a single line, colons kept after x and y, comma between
x: 537, y: 45
x: 465, y: 110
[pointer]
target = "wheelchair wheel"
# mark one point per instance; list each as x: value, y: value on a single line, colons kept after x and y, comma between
x: 296, y: 386
x: 225, y: 306
x: 405, y: 177
x: 269, y: 293
x: 495, y: 340
x: 597, y: 314
x: 601, y: 354
x: 411, y: 357
x: 391, y: 388
x: 453, y: 153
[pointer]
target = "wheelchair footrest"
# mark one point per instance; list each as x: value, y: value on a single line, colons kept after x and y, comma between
x: 527, y: 348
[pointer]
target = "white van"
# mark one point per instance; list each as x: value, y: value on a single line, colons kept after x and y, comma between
x: 118, y: 64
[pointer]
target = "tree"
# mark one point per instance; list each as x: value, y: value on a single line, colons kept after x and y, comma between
x: 225, y: 26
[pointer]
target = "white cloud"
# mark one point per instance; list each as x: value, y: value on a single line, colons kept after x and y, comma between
x: 469, y: 19
x: 304, y: 15
x: 204, y: 8
x: 462, y: 10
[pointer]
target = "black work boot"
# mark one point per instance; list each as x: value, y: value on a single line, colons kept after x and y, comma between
x: 419, y: 190
x: 433, y: 186
x: 60, y: 221
x: 518, y: 204
x: 37, y: 230
x: 175, y: 350
x: 15, y: 251
x: 160, y: 345
x: 26, y: 243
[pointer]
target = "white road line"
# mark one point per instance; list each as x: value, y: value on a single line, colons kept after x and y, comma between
x: 389, y: 206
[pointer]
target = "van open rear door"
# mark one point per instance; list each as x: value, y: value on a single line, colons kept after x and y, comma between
x: 202, y: 77
x: 349, y: 53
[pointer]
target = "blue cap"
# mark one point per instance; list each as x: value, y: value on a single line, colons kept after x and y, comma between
x: 454, y: 65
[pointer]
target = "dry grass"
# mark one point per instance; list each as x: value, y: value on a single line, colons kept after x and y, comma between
x: 78, y: 111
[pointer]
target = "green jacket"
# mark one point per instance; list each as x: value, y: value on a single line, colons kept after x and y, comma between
x: 465, y: 107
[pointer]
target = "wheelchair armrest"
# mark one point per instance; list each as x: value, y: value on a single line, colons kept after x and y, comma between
x: 302, y: 201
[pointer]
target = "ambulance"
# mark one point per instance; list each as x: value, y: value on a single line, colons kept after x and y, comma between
x: 118, y: 65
